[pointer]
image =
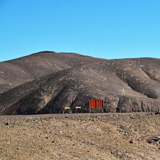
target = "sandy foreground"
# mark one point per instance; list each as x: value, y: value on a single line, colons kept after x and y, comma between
x: 81, y: 136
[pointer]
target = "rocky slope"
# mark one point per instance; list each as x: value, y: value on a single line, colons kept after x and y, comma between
x: 125, y: 85
x: 18, y: 71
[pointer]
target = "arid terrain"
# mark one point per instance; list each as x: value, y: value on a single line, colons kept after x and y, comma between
x: 21, y: 70
x: 111, y: 136
x: 47, y: 82
x: 34, y: 87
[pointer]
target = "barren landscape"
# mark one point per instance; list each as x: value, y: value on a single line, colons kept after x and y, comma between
x: 34, y: 87
x: 47, y: 82
x: 80, y: 80
x: 134, y: 136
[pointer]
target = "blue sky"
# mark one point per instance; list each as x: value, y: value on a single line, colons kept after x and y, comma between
x: 99, y: 28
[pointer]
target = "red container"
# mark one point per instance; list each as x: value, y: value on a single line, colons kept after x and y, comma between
x: 99, y: 103
x: 92, y: 103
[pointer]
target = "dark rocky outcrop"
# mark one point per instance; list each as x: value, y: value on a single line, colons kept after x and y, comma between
x: 125, y: 85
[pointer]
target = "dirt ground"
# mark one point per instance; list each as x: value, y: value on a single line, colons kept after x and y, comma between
x: 81, y: 137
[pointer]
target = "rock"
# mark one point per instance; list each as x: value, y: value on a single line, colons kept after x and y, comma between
x: 157, y: 112
x: 150, y: 141
x: 131, y: 141
x: 120, y: 130
x: 153, y: 140
x: 120, y: 126
x: 132, y: 117
x: 156, y: 139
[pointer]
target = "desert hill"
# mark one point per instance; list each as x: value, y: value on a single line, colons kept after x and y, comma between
x: 18, y: 71
x: 125, y: 85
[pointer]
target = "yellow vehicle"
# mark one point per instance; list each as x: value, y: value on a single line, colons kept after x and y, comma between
x: 78, y: 109
x: 67, y: 110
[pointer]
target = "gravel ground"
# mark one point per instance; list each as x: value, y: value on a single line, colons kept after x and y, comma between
x: 81, y: 136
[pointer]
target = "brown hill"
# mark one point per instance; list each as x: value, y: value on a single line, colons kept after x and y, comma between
x: 22, y: 70
x: 125, y: 85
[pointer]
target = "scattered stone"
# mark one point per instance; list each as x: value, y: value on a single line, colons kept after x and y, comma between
x: 150, y: 141
x: 156, y: 139
x: 131, y: 117
x: 120, y: 130
x: 125, y: 133
x: 157, y: 112
x: 131, y: 141
x: 119, y: 153
x: 120, y: 126
x: 6, y: 124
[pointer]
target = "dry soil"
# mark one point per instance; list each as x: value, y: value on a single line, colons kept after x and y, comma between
x: 80, y: 137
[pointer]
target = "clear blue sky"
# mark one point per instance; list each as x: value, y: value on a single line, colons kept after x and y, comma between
x: 99, y: 28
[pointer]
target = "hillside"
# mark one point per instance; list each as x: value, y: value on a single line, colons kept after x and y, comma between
x: 125, y: 85
x: 18, y: 71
